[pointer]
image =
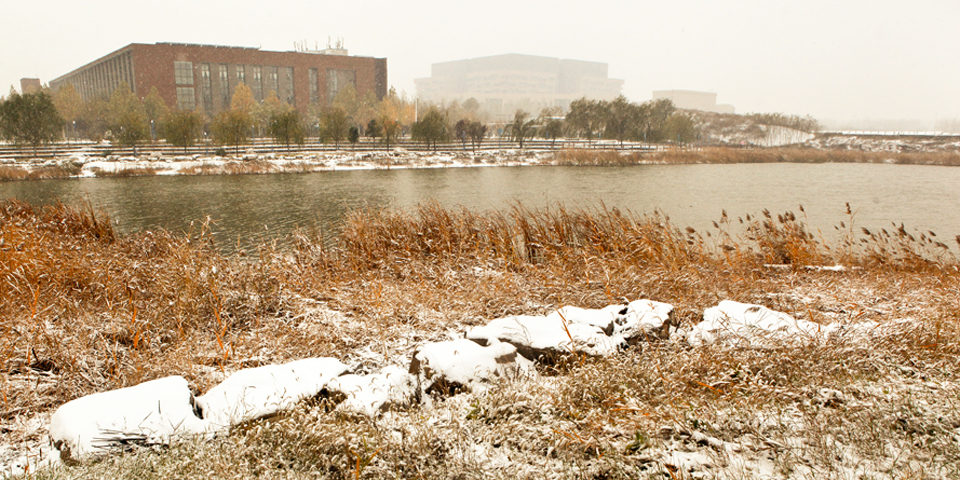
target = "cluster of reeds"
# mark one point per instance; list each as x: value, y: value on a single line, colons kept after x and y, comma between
x: 85, y: 310
x: 126, y: 172
x: 720, y: 155
x: 800, y: 155
x: 45, y: 172
x: 232, y: 168
x: 600, y: 158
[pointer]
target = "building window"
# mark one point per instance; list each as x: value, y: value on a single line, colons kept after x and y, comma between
x: 186, y: 99
x: 273, y: 81
x: 241, y: 74
x: 314, y: 86
x: 206, y: 86
x: 257, y: 86
x: 288, y: 84
x: 224, y: 87
x: 337, y: 80
x: 183, y: 73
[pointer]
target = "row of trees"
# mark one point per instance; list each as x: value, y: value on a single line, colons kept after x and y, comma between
x: 654, y: 121
x: 129, y: 121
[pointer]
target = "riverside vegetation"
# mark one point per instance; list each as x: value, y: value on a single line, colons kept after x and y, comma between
x: 86, y: 310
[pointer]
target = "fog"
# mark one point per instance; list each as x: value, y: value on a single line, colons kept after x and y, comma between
x: 849, y: 63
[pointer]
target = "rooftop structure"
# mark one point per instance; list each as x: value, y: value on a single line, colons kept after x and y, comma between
x: 503, y: 83
x: 203, y: 77
x: 691, y: 100
x: 29, y: 85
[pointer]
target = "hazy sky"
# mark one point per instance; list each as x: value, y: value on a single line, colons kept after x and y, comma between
x: 833, y: 59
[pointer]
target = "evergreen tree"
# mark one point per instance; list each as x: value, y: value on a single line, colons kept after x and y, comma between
x: 30, y: 118
x: 374, y: 129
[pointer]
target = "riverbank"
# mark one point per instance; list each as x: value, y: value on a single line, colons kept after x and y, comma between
x: 88, y: 310
x: 80, y: 165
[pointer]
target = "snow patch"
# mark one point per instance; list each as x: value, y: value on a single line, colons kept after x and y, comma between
x: 371, y: 394
x: 152, y: 412
x: 464, y: 363
x: 549, y: 337
x: 263, y: 391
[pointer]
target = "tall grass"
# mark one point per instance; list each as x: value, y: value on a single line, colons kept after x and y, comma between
x: 126, y: 172
x: 85, y: 309
x: 717, y: 155
x: 11, y: 172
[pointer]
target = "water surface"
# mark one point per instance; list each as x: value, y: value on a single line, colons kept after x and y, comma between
x: 255, y: 207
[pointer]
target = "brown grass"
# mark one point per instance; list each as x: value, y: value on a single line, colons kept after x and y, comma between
x: 86, y: 310
x: 720, y: 155
x: 126, y: 172
x: 232, y: 168
x: 10, y: 172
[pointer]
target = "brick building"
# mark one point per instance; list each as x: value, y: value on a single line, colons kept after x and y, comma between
x: 203, y: 77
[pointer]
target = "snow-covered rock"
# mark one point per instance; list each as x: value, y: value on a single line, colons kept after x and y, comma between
x: 750, y: 323
x: 446, y: 366
x: 546, y: 337
x: 602, y: 318
x: 263, y: 391
x: 370, y: 394
x: 645, y: 319
x: 152, y: 412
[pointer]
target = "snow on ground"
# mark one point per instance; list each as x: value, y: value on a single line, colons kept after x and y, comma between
x: 163, y: 410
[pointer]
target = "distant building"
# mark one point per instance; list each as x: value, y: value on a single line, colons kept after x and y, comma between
x: 691, y: 100
x: 503, y: 83
x: 203, y: 77
x: 29, y: 85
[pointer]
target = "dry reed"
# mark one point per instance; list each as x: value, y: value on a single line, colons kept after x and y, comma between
x: 719, y: 155
x: 85, y: 310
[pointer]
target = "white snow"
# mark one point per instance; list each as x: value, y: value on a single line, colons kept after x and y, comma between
x: 535, y: 336
x: 263, y: 391
x: 752, y: 324
x: 747, y: 322
x: 645, y: 318
x: 370, y: 394
x: 152, y: 412
x: 601, y: 318
x: 464, y: 362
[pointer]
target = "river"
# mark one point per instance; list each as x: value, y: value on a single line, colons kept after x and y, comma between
x: 251, y: 208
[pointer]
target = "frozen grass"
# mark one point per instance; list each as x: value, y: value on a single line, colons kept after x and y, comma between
x: 86, y: 310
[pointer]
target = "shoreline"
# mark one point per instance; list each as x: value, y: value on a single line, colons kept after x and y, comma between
x: 80, y: 165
